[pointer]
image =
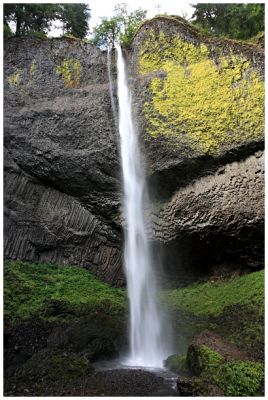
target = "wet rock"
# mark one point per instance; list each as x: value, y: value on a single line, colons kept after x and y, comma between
x: 57, y: 338
x: 189, y: 387
x: 97, y: 339
x: 48, y: 365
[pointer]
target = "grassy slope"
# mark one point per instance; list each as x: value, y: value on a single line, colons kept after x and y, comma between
x: 29, y: 288
x: 211, y: 298
x: 233, y: 308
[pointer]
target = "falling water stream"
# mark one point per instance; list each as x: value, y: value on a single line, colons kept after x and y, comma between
x: 148, y: 347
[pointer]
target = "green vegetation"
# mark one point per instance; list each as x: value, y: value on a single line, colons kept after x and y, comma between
x: 177, y: 363
x: 211, y: 298
x: 234, y: 378
x: 7, y: 31
x: 70, y: 71
x: 209, y: 358
x: 205, y: 106
x: 75, y: 19
x: 202, y: 359
x: 32, y: 289
x: 120, y: 28
x: 240, y: 378
x: 237, y: 21
x: 232, y: 308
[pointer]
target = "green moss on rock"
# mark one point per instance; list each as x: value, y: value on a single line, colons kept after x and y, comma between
x: 54, y: 292
x: 177, y: 363
x: 54, y: 366
x: 207, y: 106
x: 202, y: 359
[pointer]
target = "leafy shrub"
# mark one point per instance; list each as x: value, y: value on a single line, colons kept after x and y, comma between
x: 240, y: 378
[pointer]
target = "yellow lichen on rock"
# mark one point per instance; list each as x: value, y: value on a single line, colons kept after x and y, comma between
x: 206, y: 106
x: 15, y: 78
x: 33, y: 68
x: 70, y: 71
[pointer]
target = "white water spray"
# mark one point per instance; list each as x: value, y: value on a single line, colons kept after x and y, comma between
x: 148, y: 347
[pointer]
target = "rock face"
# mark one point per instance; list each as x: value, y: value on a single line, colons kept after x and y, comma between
x: 203, y: 139
x: 203, y: 145
x: 62, y: 174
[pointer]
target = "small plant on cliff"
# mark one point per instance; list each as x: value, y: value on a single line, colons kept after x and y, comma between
x: 70, y: 71
x: 7, y: 31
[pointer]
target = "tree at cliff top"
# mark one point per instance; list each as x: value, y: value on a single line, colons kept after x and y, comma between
x: 120, y: 28
x: 237, y: 21
x: 75, y: 19
x: 32, y: 17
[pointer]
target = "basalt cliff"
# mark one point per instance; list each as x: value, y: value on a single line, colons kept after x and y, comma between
x: 199, y: 110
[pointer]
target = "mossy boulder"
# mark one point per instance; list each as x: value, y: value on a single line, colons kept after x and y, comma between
x: 228, y: 368
x: 54, y: 366
x: 103, y: 337
x: 203, y: 358
x: 177, y: 363
x: 208, y: 350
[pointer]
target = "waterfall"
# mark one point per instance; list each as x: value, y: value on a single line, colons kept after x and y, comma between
x: 148, y: 345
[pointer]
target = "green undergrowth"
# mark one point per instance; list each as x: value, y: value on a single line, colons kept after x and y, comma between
x: 232, y: 308
x: 211, y: 298
x: 240, y: 378
x: 56, y: 292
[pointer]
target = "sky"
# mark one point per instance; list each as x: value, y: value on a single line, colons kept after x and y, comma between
x: 105, y: 8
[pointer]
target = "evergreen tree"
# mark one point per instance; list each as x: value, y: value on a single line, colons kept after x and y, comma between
x: 30, y: 17
x: 233, y: 20
x: 75, y: 19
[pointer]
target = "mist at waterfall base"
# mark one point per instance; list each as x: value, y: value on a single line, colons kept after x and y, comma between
x: 149, y: 331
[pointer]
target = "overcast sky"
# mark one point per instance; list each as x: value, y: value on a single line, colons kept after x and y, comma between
x: 105, y: 8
